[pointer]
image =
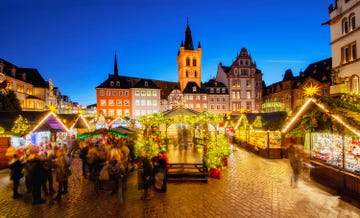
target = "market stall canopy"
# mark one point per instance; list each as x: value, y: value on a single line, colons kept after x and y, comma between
x: 180, y: 110
x: 36, y: 121
x: 341, y: 111
x: 72, y: 121
x: 266, y: 121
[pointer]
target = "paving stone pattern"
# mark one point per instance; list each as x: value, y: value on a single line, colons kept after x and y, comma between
x: 250, y: 186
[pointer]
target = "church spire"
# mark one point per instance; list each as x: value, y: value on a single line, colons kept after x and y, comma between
x: 188, y: 38
x: 116, y: 72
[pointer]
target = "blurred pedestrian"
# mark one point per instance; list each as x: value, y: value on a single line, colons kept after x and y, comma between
x: 36, y: 174
x: 145, y: 173
x: 16, y: 174
x: 62, y: 172
x: 84, y: 149
x: 295, y: 163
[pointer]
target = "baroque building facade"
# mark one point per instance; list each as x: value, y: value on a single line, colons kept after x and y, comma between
x: 244, y: 82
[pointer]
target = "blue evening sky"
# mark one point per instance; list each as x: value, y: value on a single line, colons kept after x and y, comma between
x: 73, y: 42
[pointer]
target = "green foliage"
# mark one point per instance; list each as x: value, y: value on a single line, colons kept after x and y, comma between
x: 9, y: 101
x: 217, y: 149
x: 21, y: 127
x: 2, y: 130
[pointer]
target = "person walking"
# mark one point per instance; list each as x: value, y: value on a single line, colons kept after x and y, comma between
x: 84, y: 149
x: 62, y: 173
x: 145, y: 176
x: 16, y: 174
x: 295, y: 163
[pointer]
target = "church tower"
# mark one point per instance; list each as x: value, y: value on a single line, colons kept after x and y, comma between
x: 189, y: 61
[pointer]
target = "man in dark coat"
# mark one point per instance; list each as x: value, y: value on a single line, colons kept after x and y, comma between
x: 37, y: 174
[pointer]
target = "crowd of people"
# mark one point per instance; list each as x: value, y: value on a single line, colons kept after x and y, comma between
x: 39, y: 165
x: 105, y: 159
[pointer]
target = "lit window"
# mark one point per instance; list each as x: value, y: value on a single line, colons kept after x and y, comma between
x: 194, y: 88
x: 154, y: 93
x: 204, y: 106
x: 118, y: 112
x: 197, y: 106
x: 126, y: 103
x: 111, y: 112
x: 127, y: 112
x: 148, y: 102
x: 355, y: 84
x: 137, y: 102
x: 102, y: 102
x: 248, y: 94
x: 191, y: 97
x: 148, y: 93
x: 154, y: 102
x: 137, y: 93
x: 143, y: 93
x: 198, y: 97
x: 111, y: 102
x: 204, y: 97
x: 143, y: 102
x: 118, y: 102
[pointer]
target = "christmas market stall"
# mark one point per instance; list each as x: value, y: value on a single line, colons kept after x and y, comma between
x: 331, y: 131
x: 24, y: 128
x: 259, y: 133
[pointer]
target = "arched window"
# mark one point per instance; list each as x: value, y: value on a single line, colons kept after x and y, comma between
x: 187, y: 61
x: 352, y: 21
x: 195, y: 74
x: 345, y: 26
x: 194, y: 62
x: 187, y: 74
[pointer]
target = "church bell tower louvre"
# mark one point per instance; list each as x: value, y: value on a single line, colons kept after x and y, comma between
x: 189, y: 61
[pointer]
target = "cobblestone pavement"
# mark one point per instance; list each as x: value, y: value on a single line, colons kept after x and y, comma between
x: 250, y: 187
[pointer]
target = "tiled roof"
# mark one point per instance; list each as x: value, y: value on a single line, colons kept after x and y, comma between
x: 180, y: 110
x: 189, y: 88
x: 146, y: 84
x: 29, y: 75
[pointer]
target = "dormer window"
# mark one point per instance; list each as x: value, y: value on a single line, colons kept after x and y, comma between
x: 117, y: 83
x: 211, y: 90
x: 146, y: 84
x: 111, y: 83
x: 194, y: 88
x: 223, y: 90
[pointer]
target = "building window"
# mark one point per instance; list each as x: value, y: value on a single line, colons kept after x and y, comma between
x: 148, y: 102
x: 197, y: 106
x: 148, y: 93
x: 212, y: 107
x: 217, y: 90
x: 111, y: 102
x: 198, y: 97
x: 118, y: 102
x: 204, y: 106
x: 126, y: 103
x: 187, y: 61
x: 204, y: 97
x: 137, y: 113
x: 137, y: 93
x: 120, y: 93
x: 102, y: 92
x: 118, y: 112
x: 352, y: 22
x: 348, y: 53
x: 194, y: 62
x: 248, y: 106
x: 114, y: 93
x: 111, y: 112
x: 345, y: 26
x: 137, y: 102
x: 117, y: 83
x: 126, y: 93
x: 102, y: 102
x: 191, y: 97
x: 248, y: 94
x: 211, y: 90
x: 154, y: 93
x: 143, y: 102
x: 108, y: 93
x: 154, y: 102
x: 195, y: 74
x: 194, y: 88
x: 143, y: 93
x: 111, y: 83
x: 248, y: 83
x: 127, y: 112
x: 187, y: 74
x: 223, y: 90
x: 146, y: 84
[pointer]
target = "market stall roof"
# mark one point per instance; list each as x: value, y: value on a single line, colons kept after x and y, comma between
x: 74, y: 121
x: 37, y: 120
x: 180, y: 110
x: 269, y: 121
x: 343, y: 113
